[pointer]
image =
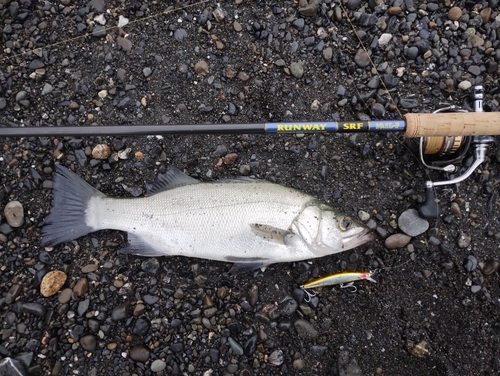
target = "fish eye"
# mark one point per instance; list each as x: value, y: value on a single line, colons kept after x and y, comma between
x: 345, y: 223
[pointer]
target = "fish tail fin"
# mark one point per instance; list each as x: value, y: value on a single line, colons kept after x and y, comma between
x: 67, y: 218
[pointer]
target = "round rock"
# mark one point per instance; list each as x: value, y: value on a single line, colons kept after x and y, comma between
x: 14, y: 214
x: 296, y: 69
x: 411, y: 224
x: 397, y: 241
x: 52, y: 282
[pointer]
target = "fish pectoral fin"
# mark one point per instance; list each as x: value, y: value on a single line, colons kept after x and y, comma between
x: 138, y: 246
x: 271, y: 234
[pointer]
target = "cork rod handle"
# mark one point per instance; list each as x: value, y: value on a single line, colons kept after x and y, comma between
x: 452, y: 124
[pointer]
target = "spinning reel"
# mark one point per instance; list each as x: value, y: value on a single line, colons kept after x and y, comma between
x: 443, y: 153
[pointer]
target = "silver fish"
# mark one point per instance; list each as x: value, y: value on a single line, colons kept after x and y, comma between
x: 249, y: 222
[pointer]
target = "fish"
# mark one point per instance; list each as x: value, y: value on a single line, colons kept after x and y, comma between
x: 251, y: 223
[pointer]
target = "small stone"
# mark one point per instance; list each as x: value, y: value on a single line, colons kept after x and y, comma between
x: 305, y: 329
x: 14, y: 213
x: 394, y: 11
x: 139, y: 354
x: 464, y: 85
x: 397, y: 241
x: 65, y: 296
x: 3, y: 103
x: 89, y: 268
x: 309, y: 10
x: 470, y: 263
x: 101, y: 151
x: 120, y: 312
x: 411, y: 224
x: 361, y: 58
x: 230, y: 158
x: 276, y: 358
x: 419, y: 350
x: 490, y: 267
x: 122, y: 21
x: 47, y: 88
x: 52, y: 282
x: 35, y: 309
x: 180, y: 34
x: 151, y: 265
x: 455, y: 13
x: 88, y: 342
x: 158, y: 365
x: 235, y: 346
x: 99, y: 31
x: 81, y: 287
x: 463, y: 240
x: 201, y: 67
x: 299, y: 364
x: 297, y: 69
x: 237, y: 26
x: 124, y: 43
x: 147, y: 72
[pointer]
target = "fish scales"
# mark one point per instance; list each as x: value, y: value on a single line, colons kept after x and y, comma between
x: 205, y: 218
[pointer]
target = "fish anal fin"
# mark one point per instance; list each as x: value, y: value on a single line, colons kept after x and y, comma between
x: 242, y: 267
x: 138, y: 246
x: 270, y: 233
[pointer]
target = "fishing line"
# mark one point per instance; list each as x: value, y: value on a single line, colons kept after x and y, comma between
x: 354, y: 30
x: 109, y: 28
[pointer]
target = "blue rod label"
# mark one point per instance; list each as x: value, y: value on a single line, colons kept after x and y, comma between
x: 337, y: 127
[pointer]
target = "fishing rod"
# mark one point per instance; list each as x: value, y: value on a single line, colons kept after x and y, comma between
x: 444, y: 136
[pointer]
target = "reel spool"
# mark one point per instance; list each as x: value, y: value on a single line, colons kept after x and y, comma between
x: 441, y: 153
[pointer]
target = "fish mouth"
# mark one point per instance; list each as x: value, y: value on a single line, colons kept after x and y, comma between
x: 358, y: 239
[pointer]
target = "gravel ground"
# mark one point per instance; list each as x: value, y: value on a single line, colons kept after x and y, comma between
x: 435, y: 307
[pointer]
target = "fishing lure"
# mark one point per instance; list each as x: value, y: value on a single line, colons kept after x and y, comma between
x: 345, y: 280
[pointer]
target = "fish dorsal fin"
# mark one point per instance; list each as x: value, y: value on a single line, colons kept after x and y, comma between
x: 171, y: 179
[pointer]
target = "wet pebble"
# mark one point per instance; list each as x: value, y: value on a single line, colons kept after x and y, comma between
x: 81, y: 287
x: 276, y: 358
x: 158, y: 365
x: 139, y: 354
x: 288, y: 306
x: 470, y: 263
x: 419, y: 350
x: 35, y: 309
x: 463, y: 240
x: 141, y: 327
x: 65, y: 296
x: 235, y: 346
x: 13, y: 293
x: 490, y: 267
x: 101, y: 151
x: 297, y: 69
x: 14, y: 213
x: 397, y: 241
x: 151, y: 265
x: 411, y: 224
x: 52, y: 282
x: 120, y: 312
x: 88, y: 342
x: 14, y: 367
x: 201, y: 67
x: 305, y: 329
x: 250, y: 346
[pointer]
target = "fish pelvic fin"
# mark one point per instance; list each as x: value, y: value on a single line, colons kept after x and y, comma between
x: 67, y: 218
